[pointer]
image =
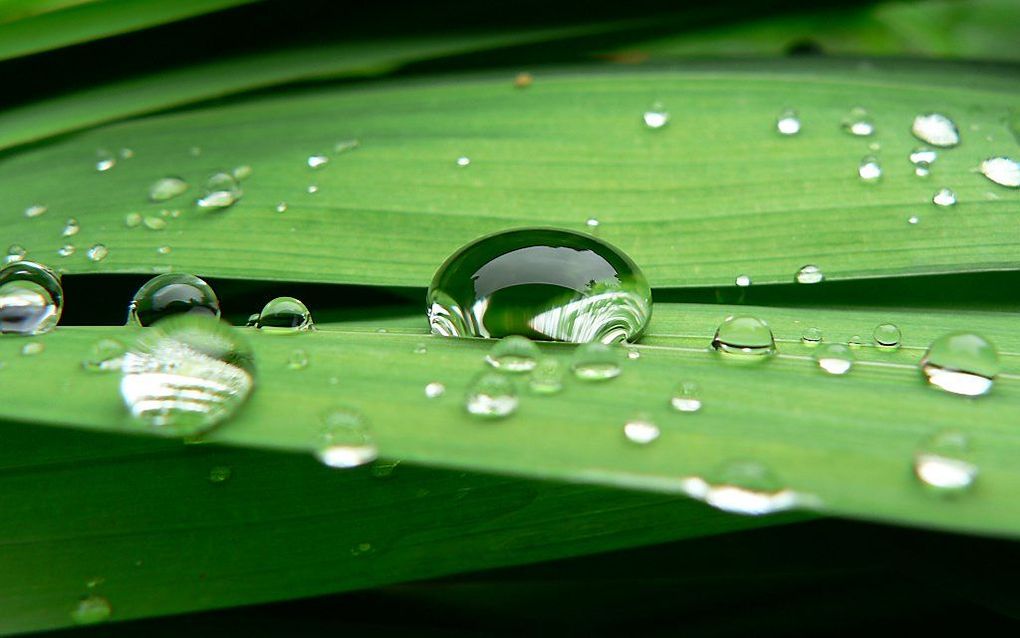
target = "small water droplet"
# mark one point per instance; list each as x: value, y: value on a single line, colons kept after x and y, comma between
x: 32, y: 348
x: 312, y: 189
x: 810, y: 274
x: 344, y: 146
x: 944, y: 197
x: 285, y: 315
x: 15, y: 253
x: 104, y: 164
x: 887, y: 336
x: 596, y: 362
x: 686, y: 397
x: 420, y: 348
x: 31, y: 298
x: 71, y: 227
x: 91, y: 610
x: 345, y: 440
x: 641, y: 430
x: 164, y: 250
x: 298, y: 360
x: 923, y: 156
x: 186, y: 374
x: 514, y: 353
x: 811, y: 336
x: 361, y: 549
x: 66, y: 250
x: 855, y: 342
x: 491, y: 395
x: 913, y: 220
x: 744, y: 336
x: 922, y: 170
x: 434, y: 389
x: 220, y: 474
x: 35, y: 210
x: 155, y: 223
x: 633, y: 354
x: 936, y: 129
x: 132, y: 220
x: 788, y: 123
x: 546, y: 377
x: 172, y: 294
x: 241, y: 172
x: 281, y: 207
x: 869, y: 169
x: 523, y: 80
x: 834, y: 358
x: 1004, y: 171
x: 195, y: 151
x: 961, y: 363
x: 221, y: 191
x: 743, y: 281
x: 656, y: 117
x: 743, y: 487
x: 944, y: 463
x: 858, y: 122
x: 591, y: 222
x: 104, y: 355
x: 97, y: 253
x: 317, y: 161
x: 126, y: 153
x: 463, y: 161
x: 167, y: 188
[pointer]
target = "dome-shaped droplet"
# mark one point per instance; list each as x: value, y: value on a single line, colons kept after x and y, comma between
x: 187, y: 374
x: 961, y: 363
x: 285, y: 314
x: 743, y: 487
x: 597, y: 362
x: 809, y: 274
x: 887, y: 336
x: 686, y: 397
x: 742, y: 281
x: 434, y: 389
x: 345, y: 440
x: 97, y: 253
x: 167, y: 188
x: 221, y: 191
x: 15, y: 252
x: 858, y: 122
x: 788, y: 123
x: 869, y: 169
x: 936, y: 129
x: 656, y: 117
x: 641, y: 430
x: 543, y: 284
x: 547, y: 377
x: 745, y: 336
x: 31, y: 298
x: 35, y: 210
x: 944, y: 463
x: 491, y: 395
x: 514, y: 354
x: 811, y: 336
x: 944, y: 197
x: 834, y: 358
x: 91, y: 610
x: 172, y: 294
x: 1002, y: 170
x: 71, y: 228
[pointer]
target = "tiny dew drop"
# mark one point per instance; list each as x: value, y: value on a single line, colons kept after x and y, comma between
x: 91, y: 610
x: 596, y: 362
x: 869, y: 169
x: 317, y: 161
x: 126, y: 153
x: 633, y: 354
x: 221, y: 191
x: 71, y: 228
x: 923, y: 156
x: 513, y: 353
x: 887, y: 336
x: 241, y: 172
x: 31, y: 298
x: 809, y: 274
x: 154, y: 223
x: 811, y: 336
x: 1004, y: 171
x: 420, y: 348
x: 312, y: 189
x: 935, y: 129
x: 463, y: 160
x: 220, y: 474
x: 491, y: 395
x: 834, y: 358
x: 788, y: 123
x: 344, y: 146
x: 345, y: 440
x: 686, y: 397
x: 285, y: 315
x: 913, y: 220
x: 743, y: 487
x: 97, y: 253
x: 858, y: 122
x: 35, y: 210
x: 298, y: 359
x: 281, y: 207
x: 744, y: 337
x: 961, y: 363
x: 640, y: 430
x: 167, y: 188
x: 172, y: 294
x: 104, y: 355
x: 591, y: 222
x: 855, y: 342
x: 66, y: 250
x: 944, y: 463
x: 33, y: 348
x: 434, y: 389
x: 164, y: 250
x: 656, y: 117
x: 104, y: 164
x: 944, y: 197
x: 546, y: 377
x: 742, y: 281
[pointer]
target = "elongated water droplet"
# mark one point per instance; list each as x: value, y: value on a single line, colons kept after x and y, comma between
x: 167, y: 188
x: 543, y: 284
x: 491, y: 395
x: 936, y: 129
x: 944, y: 463
x: 317, y: 161
x: 887, y: 336
x: 104, y: 164
x: 961, y: 363
x: 164, y: 250
x: 686, y: 397
x: 592, y: 223
x: 834, y: 358
x: 640, y: 430
x: 104, y: 355
x: 186, y: 374
x: 1004, y: 171
x: 742, y: 281
x: 811, y: 336
x: 66, y: 250
x: 656, y: 117
x: 788, y: 123
x: 31, y: 298
x: 35, y: 210
x: 809, y: 274
x: 596, y: 362
x: 155, y: 223
x: 91, y: 610
x: 743, y: 487
x: 434, y: 389
x: 869, y: 169
x: 744, y: 336
x: 913, y: 220
x: 344, y: 146
x: 97, y: 253
x: 298, y: 359
x: 514, y: 354
x: 221, y: 191
x: 172, y: 294
x: 923, y: 156
x: 71, y: 227
x: 345, y: 440
x: 944, y: 197
x: 285, y: 315
x: 858, y: 122
x: 546, y: 377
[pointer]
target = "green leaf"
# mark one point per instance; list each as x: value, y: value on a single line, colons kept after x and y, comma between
x: 715, y: 194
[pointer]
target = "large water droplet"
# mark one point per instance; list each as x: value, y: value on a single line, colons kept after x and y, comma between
x: 809, y: 274
x: 541, y: 283
x: 31, y: 298
x: 858, y: 122
x: 167, y: 188
x: 596, y: 362
x: 345, y: 440
x: 944, y: 463
x: 744, y: 336
x: 788, y: 123
x: 221, y: 191
x: 547, y: 377
x: 961, y: 363
x: 656, y: 117
x: 936, y: 129
x: 187, y: 374
x: 91, y: 610
x: 834, y: 358
x: 172, y: 294
x: 944, y: 197
x: 514, y: 354
x: 869, y: 169
x: 285, y: 315
x: 887, y: 336
x: 640, y: 430
x: 743, y: 487
x: 491, y: 395
x: 686, y: 397
x: 1004, y: 171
